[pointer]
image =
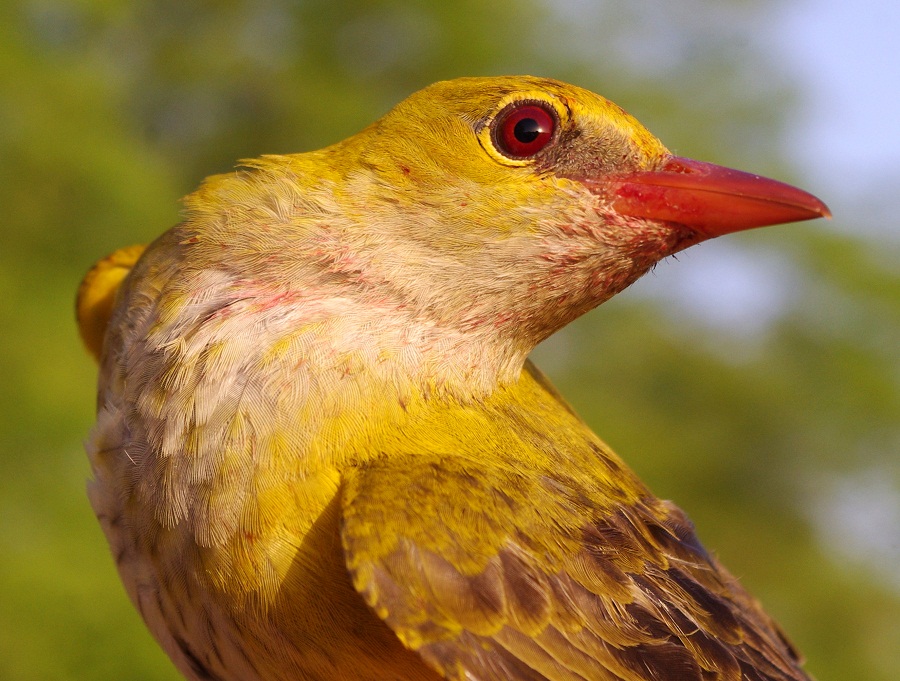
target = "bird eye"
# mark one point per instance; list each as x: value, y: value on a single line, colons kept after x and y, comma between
x: 523, y: 130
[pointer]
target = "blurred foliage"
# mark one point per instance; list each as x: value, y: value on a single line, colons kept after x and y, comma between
x: 781, y: 443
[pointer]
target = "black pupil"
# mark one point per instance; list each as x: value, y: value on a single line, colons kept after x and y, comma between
x: 527, y: 130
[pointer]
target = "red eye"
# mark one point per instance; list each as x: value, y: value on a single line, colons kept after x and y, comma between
x: 523, y: 130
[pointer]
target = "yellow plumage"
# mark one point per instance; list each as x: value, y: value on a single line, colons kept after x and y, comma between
x: 320, y: 452
x: 97, y: 294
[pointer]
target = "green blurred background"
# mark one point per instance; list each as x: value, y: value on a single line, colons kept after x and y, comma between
x: 755, y: 380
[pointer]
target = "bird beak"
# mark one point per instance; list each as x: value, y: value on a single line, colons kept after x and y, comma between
x: 710, y: 199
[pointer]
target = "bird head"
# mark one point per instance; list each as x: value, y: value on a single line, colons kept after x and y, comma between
x: 469, y: 223
x: 511, y: 205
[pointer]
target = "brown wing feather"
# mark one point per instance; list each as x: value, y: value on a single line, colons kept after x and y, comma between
x: 628, y: 594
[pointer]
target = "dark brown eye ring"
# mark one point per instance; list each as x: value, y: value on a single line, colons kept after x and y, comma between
x: 523, y: 129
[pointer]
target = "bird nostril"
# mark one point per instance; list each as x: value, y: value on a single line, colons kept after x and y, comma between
x: 676, y: 165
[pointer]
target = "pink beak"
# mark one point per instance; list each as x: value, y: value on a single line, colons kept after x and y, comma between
x: 710, y: 199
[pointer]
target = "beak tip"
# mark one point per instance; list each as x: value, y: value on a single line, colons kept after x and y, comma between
x: 816, y: 209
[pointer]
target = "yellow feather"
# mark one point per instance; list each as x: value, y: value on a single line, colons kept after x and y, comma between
x: 97, y: 294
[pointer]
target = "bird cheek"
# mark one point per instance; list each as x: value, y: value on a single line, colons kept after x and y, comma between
x: 599, y: 258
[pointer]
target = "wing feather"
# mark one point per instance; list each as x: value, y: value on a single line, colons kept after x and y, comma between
x: 555, y: 590
x: 550, y: 561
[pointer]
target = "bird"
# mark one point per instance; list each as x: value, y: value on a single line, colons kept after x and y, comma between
x: 321, y: 451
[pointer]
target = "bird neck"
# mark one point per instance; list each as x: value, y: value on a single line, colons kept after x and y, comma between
x: 356, y: 346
